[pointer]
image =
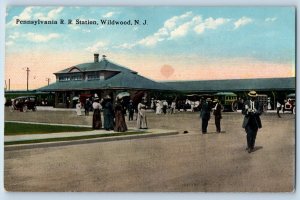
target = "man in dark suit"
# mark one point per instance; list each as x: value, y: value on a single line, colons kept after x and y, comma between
x: 205, y: 114
x: 252, y: 109
x: 217, y: 111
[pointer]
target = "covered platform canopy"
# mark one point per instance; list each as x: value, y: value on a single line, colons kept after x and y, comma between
x: 234, y: 85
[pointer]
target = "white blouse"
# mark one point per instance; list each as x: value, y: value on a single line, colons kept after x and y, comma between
x: 96, y: 105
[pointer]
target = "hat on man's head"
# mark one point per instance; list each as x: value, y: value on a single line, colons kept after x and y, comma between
x: 208, y: 99
x: 216, y: 100
x: 252, y: 94
x: 107, y: 97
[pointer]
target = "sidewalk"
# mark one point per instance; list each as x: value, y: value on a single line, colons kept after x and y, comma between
x: 70, y: 137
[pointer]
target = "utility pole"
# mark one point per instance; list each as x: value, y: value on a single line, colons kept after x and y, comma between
x: 9, y: 84
x: 48, y: 80
x: 27, y: 70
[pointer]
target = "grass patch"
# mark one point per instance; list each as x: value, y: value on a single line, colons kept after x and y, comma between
x: 73, y: 138
x: 12, y: 128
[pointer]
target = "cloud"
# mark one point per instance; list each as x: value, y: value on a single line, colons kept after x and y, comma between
x: 209, y: 23
x: 9, y: 43
x: 242, y: 22
x: 52, y: 14
x: 180, y: 31
x: 198, y: 25
x: 24, y: 15
x: 14, y: 36
x: 97, y: 47
x: 270, y: 19
x: 34, y: 37
x: 109, y: 14
x: 74, y: 26
x: 171, y: 23
x: 41, y: 38
x: 151, y: 40
x: 28, y: 13
x: 178, y: 26
x: 125, y: 46
x: 212, y: 23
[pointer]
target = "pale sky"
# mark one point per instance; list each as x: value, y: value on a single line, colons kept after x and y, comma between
x: 178, y: 43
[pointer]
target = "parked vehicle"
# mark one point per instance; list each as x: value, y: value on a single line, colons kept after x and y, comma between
x: 290, y: 103
x: 42, y: 98
x: 23, y: 104
x: 228, y: 100
x: 263, y: 99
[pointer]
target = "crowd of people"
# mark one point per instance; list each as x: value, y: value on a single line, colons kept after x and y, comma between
x: 114, y: 115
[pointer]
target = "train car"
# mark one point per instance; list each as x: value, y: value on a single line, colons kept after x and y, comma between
x: 228, y: 100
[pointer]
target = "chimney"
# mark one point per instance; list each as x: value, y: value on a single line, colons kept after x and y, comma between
x: 103, y: 56
x: 96, y: 57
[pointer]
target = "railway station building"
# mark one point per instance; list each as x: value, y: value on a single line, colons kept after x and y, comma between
x: 104, y: 77
x: 101, y: 77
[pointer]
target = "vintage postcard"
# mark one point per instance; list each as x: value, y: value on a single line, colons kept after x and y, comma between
x: 149, y: 99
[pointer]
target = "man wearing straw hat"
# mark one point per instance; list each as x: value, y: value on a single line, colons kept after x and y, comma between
x: 252, y: 110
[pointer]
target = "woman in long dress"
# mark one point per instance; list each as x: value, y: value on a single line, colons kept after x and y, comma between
x: 158, y: 108
x: 108, y: 114
x: 141, y: 118
x: 78, y: 108
x: 120, y: 124
x: 97, y: 123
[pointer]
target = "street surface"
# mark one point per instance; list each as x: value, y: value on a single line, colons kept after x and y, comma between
x: 184, y: 162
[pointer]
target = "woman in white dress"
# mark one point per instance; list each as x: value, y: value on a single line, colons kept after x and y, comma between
x: 78, y: 108
x: 141, y: 116
x: 158, y: 107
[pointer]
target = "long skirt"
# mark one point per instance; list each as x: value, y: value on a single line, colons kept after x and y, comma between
x: 97, y: 123
x: 108, y: 121
x: 142, y: 119
x: 120, y: 124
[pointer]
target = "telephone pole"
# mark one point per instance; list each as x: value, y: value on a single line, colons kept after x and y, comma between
x: 27, y: 70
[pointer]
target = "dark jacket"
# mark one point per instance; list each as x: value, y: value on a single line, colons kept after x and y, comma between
x: 218, y: 111
x: 249, y: 115
x: 205, y: 111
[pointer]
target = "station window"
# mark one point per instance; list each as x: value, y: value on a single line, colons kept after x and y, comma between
x: 92, y: 76
x: 64, y: 78
x: 76, y: 77
x: 102, y: 77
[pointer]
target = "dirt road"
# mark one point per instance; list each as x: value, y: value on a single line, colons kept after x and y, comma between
x: 184, y: 162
